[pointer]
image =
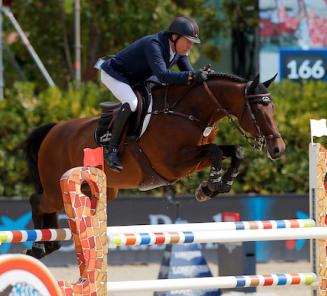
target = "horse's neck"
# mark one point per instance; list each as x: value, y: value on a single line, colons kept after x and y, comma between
x: 229, y: 94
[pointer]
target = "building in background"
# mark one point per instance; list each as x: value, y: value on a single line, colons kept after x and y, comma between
x: 293, y: 37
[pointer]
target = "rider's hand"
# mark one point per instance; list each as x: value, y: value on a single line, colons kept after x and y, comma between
x: 208, y: 69
x: 200, y: 76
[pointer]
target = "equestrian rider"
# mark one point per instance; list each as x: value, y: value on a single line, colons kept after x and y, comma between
x: 148, y: 56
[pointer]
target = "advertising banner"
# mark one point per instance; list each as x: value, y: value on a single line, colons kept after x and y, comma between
x: 16, y: 215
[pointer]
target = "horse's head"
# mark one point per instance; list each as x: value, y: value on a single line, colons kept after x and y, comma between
x: 257, y: 117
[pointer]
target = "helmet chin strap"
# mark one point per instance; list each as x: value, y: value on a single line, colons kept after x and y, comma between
x: 175, y: 41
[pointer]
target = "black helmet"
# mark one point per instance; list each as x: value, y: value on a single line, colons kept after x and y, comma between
x: 185, y: 27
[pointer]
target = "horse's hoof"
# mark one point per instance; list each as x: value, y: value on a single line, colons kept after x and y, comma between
x: 202, y: 193
x: 51, y: 247
x: 36, y: 252
x: 225, y: 188
x: 215, y: 187
x: 219, y: 187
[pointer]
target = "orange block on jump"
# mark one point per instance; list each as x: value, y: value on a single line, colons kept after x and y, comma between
x: 94, y: 157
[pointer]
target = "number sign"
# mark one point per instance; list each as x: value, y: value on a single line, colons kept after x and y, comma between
x: 303, y: 64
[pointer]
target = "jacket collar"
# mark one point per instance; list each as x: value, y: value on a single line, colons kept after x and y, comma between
x: 163, y: 37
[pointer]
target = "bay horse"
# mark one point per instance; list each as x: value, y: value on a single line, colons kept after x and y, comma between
x: 178, y: 141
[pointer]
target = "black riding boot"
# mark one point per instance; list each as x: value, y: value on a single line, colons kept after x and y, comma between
x: 112, y: 155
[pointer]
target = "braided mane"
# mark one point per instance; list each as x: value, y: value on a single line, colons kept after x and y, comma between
x: 226, y: 76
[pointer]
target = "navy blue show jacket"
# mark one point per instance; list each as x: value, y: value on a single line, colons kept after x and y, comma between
x: 146, y: 57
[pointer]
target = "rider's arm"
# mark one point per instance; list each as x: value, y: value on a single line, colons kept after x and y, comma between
x: 153, y: 52
x: 184, y: 64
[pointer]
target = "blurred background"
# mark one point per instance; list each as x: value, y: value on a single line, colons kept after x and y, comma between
x: 49, y: 49
x: 47, y: 55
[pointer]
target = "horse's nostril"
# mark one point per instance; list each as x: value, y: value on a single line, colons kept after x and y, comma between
x: 276, y: 150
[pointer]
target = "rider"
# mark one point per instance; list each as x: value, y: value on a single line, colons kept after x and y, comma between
x: 148, y: 56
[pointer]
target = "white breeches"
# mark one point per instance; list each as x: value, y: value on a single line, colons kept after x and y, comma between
x: 122, y: 91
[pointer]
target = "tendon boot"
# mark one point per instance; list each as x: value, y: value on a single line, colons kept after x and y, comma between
x: 112, y: 153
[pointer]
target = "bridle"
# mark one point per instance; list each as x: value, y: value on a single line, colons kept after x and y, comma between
x: 257, y: 142
x: 260, y: 140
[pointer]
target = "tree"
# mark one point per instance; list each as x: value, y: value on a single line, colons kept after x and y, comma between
x: 242, y: 19
x: 107, y: 26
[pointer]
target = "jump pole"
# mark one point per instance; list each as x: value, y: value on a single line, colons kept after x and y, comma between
x: 164, y: 238
x: 17, y: 236
x: 243, y: 281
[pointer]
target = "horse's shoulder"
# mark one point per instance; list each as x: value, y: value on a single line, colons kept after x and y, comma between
x: 77, y: 122
x: 88, y: 121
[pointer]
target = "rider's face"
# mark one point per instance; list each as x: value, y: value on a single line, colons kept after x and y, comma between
x: 183, y: 46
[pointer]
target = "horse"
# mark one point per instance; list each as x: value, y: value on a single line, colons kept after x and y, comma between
x: 178, y: 142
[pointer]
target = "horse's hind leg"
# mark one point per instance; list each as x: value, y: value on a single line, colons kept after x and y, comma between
x: 42, y: 220
x: 38, y: 249
x: 51, y: 221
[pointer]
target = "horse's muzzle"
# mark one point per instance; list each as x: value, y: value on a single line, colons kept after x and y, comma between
x: 275, y: 148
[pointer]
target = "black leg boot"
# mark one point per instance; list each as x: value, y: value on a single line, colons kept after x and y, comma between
x: 112, y: 155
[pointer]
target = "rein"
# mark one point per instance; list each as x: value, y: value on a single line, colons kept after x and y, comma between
x: 169, y: 110
x: 256, y: 142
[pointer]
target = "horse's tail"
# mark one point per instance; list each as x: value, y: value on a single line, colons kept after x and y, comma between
x: 32, y: 146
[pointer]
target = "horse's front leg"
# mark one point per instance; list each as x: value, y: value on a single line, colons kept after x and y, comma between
x: 212, y: 187
x: 235, y: 152
x: 218, y: 183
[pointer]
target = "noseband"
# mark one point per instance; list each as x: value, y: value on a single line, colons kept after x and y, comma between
x: 260, y: 140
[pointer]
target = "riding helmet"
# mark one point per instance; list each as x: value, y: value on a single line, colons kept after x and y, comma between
x: 186, y: 27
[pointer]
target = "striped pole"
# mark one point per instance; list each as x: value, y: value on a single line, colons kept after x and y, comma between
x: 37, y: 235
x: 177, y: 237
x: 188, y: 237
x: 284, y: 279
x: 241, y: 225
x: 16, y: 236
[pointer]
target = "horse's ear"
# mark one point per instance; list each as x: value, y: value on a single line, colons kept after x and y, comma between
x: 254, y: 84
x: 268, y: 82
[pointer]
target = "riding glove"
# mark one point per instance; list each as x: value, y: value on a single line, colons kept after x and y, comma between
x: 200, y: 76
